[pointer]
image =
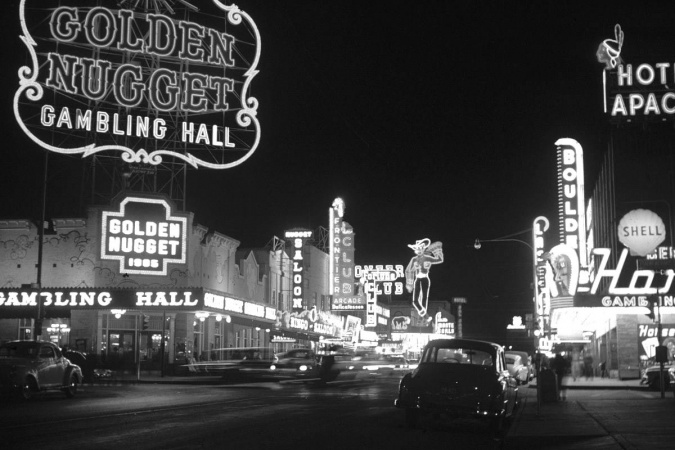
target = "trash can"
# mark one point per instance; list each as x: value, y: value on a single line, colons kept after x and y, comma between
x: 549, y: 387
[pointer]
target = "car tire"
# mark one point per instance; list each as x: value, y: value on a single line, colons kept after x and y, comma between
x: 71, y: 389
x: 412, y: 416
x: 28, y: 389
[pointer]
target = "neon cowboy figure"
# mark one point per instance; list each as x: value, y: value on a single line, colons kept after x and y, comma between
x: 417, y: 272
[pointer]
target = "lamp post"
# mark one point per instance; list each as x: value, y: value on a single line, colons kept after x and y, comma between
x: 536, y: 234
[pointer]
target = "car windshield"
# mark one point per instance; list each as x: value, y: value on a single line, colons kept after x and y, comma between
x: 19, y: 350
x: 510, y: 360
x: 457, y: 356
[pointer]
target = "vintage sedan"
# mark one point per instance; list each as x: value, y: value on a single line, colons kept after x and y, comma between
x: 651, y: 376
x: 296, y: 363
x: 517, y: 366
x: 459, y: 378
x: 27, y: 367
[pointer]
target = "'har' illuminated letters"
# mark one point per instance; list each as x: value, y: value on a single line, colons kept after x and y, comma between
x: 113, y: 71
x: 298, y: 238
x: 143, y: 236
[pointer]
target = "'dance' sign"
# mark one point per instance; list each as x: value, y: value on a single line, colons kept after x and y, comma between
x: 165, y: 82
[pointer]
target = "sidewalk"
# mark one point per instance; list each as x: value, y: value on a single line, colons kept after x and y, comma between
x: 599, y: 383
x: 566, y: 424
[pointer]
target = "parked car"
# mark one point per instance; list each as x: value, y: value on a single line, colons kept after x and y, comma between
x: 296, y: 363
x: 459, y: 378
x: 527, y: 362
x: 27, y: 367
x: 651, y: 377
x: 517, y: 367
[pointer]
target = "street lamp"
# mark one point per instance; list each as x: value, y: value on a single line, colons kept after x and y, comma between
x: 509, y: 238
x: 479, y: 242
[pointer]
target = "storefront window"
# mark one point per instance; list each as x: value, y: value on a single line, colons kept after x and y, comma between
x: 26, y: 329
x: 217, y: 337
x: 198, y: 340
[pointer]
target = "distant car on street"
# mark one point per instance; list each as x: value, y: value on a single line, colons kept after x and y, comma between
x: 459, y: 378
x: 384, y: 364
x: 28, y: 367
x: 517, y: 367
x: 296, y: 363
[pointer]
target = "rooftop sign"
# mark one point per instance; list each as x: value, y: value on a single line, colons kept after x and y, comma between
x: 146, y: 84
x: 631, y: 91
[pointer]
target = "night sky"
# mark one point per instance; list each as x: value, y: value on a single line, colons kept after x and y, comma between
x: 429, y: 118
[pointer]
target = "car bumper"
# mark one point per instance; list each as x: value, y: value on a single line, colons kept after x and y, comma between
x: 470, y: 409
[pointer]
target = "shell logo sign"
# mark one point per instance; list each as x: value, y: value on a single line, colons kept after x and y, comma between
x: 641, y: 231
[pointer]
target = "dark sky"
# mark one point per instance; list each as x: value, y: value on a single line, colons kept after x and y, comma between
x: 429, y: 118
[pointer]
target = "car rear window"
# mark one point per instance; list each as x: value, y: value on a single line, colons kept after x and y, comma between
x: 27, y: 350
x: 457, y: 356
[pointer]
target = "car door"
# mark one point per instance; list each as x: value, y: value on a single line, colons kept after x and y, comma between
x: 510, y: 381
x: 47, y: 373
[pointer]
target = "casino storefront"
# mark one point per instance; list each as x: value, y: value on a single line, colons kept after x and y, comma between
x: 122, y: 326
x: 137, y: 281
x: 131, y: 282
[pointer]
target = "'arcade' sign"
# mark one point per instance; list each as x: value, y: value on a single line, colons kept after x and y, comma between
x: 143, y: 236
x: 116, y: 76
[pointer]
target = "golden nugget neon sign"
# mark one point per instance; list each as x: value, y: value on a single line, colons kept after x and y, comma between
x: 143, y: 236
x: 119, y: 75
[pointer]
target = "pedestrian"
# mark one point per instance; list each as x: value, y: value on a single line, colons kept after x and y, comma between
x: 560, y: 366
x: 603, y: 369
x: 588, y: 367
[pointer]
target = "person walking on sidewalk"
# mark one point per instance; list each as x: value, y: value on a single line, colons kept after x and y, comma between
x: 560, y: 366
x: 588, y: 367
x: 603, y: 369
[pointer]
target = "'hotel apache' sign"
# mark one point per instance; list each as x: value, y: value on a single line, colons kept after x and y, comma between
x: 635, y: 91
x: 143, y: 236
x: 148, y: 81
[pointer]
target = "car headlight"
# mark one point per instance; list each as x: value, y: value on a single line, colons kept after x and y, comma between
x: 302, y: 368
x: 273, y: 367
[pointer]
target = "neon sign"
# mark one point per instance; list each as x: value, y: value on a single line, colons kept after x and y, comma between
x: 376, y: 280
x: 107, y: 79
x: 417, y: 272
x: 643, y: 90
x: 341, y: 263
x: 299, y: 237
x: 97, y: 298
x: 143, y: 236
x: 641, y: 231
x: 571, y: 212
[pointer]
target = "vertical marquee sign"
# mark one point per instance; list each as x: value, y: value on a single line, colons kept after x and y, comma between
x: 143, y: 236
x: 569, y: 259
x: 170, y: 81
x: 341, y: 263
x: 298, y: 237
